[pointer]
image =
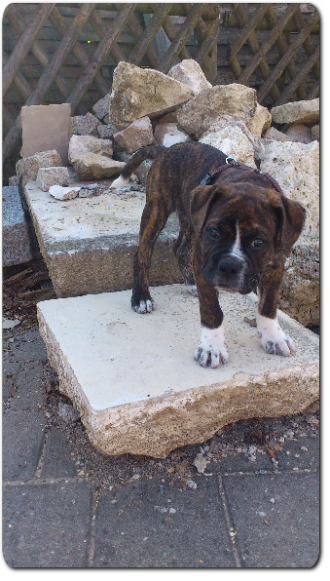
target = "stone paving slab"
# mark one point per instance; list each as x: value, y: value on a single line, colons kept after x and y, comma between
x: 136, y: 385
x: 88, y: 244
x: 15, y: 233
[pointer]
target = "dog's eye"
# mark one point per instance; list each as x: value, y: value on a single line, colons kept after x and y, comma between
x: 257, y: 243
x: 213, y: 233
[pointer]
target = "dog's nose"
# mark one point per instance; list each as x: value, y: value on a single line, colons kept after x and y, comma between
x: 230, y: 265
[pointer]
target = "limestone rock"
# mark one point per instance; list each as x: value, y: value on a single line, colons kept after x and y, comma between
x: 196, y: 116
x: 168, y: 134
x: 84, y: 124
x: 101, y: 107
x: 300, y: 133
x: 226, y: 121
x: 315, y: 133
x: 137, y: 134
x: 91, y: 144
x: 89, y: 166
x: 64, y: 193
x: 190, y: 73
x: 138, y: 92
x: 232, y: 141
x: 274, y: 134
x: 297, y: 112
x: 295, y: 166
x: 16, y: 248
x: 31, y: 165
x: 50, y: 176
x: 260, y: 121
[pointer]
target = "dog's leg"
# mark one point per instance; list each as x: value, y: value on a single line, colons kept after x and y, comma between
x: 183, y: 251
x: 211, y: 349
x: 273, y: 339
x: 152, y: 222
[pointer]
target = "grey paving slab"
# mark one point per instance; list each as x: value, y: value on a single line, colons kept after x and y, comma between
x: 275, y: 518
x: 58, y: 461
x: 16, y: 241
x: 46, y: 525
x: 135, y: 528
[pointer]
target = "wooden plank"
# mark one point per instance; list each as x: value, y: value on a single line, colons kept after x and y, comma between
x: 208, y: 41
x: 100, y: 55
x: 211, y: 11
x: 49, y: 74
x: 137, y: 31
x: 265, y: 47
x: 314, y: 92
x: 19, y: 82
x: 230, y: 21
x: 24, y: 45
x: 246, y: 31
x: 308, y: 44
x: 286, y: 58
x: 79, y: 52
x: 169, y: 28
x: 209, y: 60
x: 149, y: 33
x: 100, y: 29
x: 298, y: 79
x: 190, y: 22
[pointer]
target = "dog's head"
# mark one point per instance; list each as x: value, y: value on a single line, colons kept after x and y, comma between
x: 242, y: 228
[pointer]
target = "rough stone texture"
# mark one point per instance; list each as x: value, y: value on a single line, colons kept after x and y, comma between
x: 85, y: 124
x: 46, y: 127
x: 30, y: 165
x: 260, y: 121
x: 299, y: 133
x: 13, y: 181
x: 91, y: 144
x: 90, y: 166
x: 190, y: 73
x: 106, y: 131
x: 196, y: 116
x: 224, y: 122
x: 49, y: 176
x: 15, y: 234
x: 138, y: 92
x: 275, y: 134
x: 297, y: 112
x: 315, y: 133
x: 88, y: 244
x: 64, y: 193
x: 232, y: 141
x: 163, y: 399
x: 137, y: 134
x: 168, y: 134
x: 101, y: 107
x: 296, y: 168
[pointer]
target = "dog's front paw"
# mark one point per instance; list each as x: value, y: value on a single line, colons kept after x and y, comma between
x: 211, y: 350
x: 143, y: 306
x: 273, y: 338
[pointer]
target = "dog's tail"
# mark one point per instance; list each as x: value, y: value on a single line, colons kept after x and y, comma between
x: 150, y: 152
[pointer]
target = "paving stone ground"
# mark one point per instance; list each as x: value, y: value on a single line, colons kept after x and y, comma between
x: 254, y: 502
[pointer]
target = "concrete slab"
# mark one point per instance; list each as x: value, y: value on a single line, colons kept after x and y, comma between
x: 46, y: 127
x: 88, y: 244
x: 136, y: 385
x: 15, y: 240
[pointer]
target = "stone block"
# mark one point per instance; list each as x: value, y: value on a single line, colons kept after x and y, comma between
x: 46, y: 127
x: 299, y: 133
x: 15, y: 235
x: 91, y: 144
x: 101, y: 107
x: 315, y: 130
x: 275, y: 134
x: 297, y: 112
x: 106, y: 131
x: 90, y: 166
x: 137, y: 134
x: 134, y: 381
x: 232, y: 141
x: 49, y: 176
x: 31, y: 165
x: 168, y: 134
x: 85, y: 124
x: 190, y: 73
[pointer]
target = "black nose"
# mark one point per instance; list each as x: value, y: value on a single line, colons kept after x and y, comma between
x: 230, y: 265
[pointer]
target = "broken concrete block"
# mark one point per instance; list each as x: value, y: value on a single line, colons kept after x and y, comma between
x: 233, y: 142
x: 90, y: 166
x: 138, y: 92
x: 300, y: 133
x: 15, y: 234
x: 49, y: 176
x: 137, y: 134
x: 84, y: 124
x: 315, y: 133
x: 163, y: 399
x: 46, y: 127
x: 274, y: 134
x: 297, y: 112
x: 190, y: 73
x: 106, y: 131
x: 31, y: 165
x: 168, y: 134
x: 64, y: 193
x: 89, y: 144
x: 101, y: 107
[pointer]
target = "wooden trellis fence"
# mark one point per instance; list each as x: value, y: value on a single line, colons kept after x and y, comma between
x: 55, y: 53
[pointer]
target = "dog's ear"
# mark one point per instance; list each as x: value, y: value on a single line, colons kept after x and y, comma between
x: 291, y: 217
x: 201, y: 200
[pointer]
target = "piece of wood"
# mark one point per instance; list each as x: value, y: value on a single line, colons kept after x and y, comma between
x: 100, y: 29
x: 149, y: 33
x: 315, y: 91
x: 298, y: 79
x: 230, y: 21
x: 169, y: 28
x: 246, y: 31
x: 208, y: 41
x: 137, y: 31
x: 211, y: 11
x: 308, y: 44
x: 19, y: 81
x: 24, y: 44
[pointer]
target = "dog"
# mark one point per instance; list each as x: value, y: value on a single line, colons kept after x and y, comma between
x: 236, y: 229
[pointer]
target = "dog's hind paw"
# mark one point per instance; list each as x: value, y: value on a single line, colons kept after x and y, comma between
x: 144, y: 307
x: 211, y: 350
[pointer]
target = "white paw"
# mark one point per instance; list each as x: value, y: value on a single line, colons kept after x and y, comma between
x: 273, y: 338
x: 211, y: 349
x: 145, y: 307
x: 192, y: 289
